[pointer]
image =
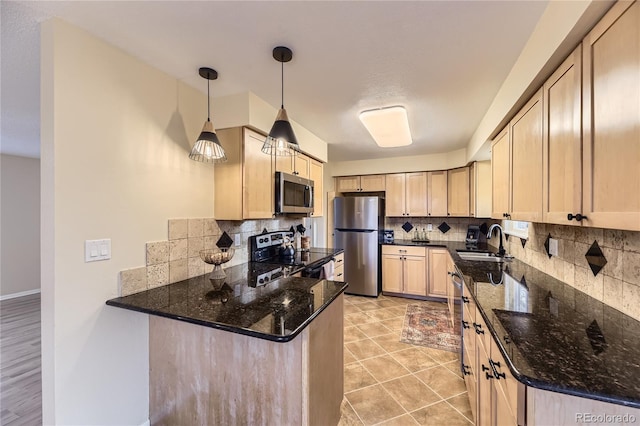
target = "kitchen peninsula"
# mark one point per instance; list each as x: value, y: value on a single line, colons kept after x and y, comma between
x: 244, y: 353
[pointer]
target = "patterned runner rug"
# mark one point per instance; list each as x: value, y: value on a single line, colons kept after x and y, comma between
x: 428, y: 325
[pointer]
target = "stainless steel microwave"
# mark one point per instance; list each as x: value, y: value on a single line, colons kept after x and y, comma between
x: 293, y: 194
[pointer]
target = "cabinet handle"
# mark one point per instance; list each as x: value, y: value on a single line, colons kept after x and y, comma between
x: 339, y: 275
x: 577, y: 217
x: 478, y: 328
x: 506, y: 340
x: 465, y: 370
x: 489, y: 376
x: 465, y: 299
x: 485, y: 368
x: 465, y: 324
x: 448, y: 214
x: 496, y: 374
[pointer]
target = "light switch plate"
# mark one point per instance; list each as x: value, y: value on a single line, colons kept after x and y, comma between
x: 236, y: 240
x: 95, y: 250
x: 553, y: 247
x: 430, y: 227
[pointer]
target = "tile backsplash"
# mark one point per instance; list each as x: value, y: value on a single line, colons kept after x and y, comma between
x: 457, y: 227
x: 617, y: 284
x: 178, y: 258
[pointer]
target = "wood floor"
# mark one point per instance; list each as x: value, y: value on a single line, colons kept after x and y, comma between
x: 20, y: 362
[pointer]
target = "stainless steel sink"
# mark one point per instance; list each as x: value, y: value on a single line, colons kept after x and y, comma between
x: 479, y: 257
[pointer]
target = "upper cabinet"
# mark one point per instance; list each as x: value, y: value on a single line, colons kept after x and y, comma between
x: 437, y: 193
x: 526, y: 161
x: 611, y: 120
x: 480, y: 189
x: 562, y: 142
x: 501, y: 175
x: 365, y: 183
x: 458, y: 192
x: 516, y: 162
x: 406, y: 194
x: 316, y: 175
x: 244, y: 184
x: 297, y: 165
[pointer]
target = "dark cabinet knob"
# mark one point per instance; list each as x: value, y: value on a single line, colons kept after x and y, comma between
x: 465, y: 299
x: 577, y: 217
x: 465, y: 324
x: 478, y: 328
x: 465, y: 370
x: 485, y: 368
x: 489, y: 376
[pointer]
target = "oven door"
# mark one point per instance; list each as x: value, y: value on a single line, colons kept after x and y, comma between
x: 293, y: 194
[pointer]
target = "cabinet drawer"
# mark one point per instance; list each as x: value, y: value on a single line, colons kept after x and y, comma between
x: 338, y: 259
x: 404, y: 250
x: 338, y: 273
x: 508, y: 384
x: 482, y: 331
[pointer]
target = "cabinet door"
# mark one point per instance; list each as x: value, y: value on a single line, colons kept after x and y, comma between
x: 258, y: 182
x: 347, y: 183
x: 415, y: 275
x: 472, y: 189
x: 316, y: 175
x: 416, y: 194
x: 438, y: 278
x: 372, y: 183
x: 485, y: 378
x: 395, y: 195
x: 285, y: 164
x: 500, y: 175
x: 482, y: 187
x: 458, y: 192
x: 437, y: 193
x: 301, y: 166
x: 611, y: 120
x: 526, y: 161
x: 562, y: 142
x: 392, y: 273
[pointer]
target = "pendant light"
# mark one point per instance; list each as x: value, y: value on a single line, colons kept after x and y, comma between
x: 281, y: 140
x: 207, y: 148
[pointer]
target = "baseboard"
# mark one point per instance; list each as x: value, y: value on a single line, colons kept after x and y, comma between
x: 20, y: 294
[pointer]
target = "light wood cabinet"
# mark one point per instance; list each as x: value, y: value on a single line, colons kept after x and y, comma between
x: 406, y: 194
x: 437, y: 193
x: 244, y: 184
x: 526, y: 161
x: 404, y: 270
x: 438, y: 282
x: 480, y: 189
x: 501, y: 175
x: 562, y: 142
x: 298, y: 165
x: 316, y: 175
x: 611, y: 120
x: 365, y: 183
x: 458, y: 192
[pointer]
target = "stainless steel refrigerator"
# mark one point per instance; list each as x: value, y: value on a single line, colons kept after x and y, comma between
x: 358, y: 223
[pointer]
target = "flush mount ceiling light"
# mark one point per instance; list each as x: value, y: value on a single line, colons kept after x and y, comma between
x: 207, y: 148
x: 281, y: 140
x: 388, y: 126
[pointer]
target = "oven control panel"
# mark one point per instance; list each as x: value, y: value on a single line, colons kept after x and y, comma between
x: 272, y: 239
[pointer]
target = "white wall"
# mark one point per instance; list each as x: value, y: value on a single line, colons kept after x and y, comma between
x: 116, y: 135
x: 416, y: 163
x: 20, y: 267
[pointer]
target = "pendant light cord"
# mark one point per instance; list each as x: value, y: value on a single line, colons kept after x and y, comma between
x: 208, y: 100
x: 282, y: 84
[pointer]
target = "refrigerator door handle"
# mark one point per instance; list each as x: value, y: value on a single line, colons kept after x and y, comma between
x: 356, y: 230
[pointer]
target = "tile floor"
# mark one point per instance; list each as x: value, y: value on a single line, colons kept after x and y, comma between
x: 388, y: 382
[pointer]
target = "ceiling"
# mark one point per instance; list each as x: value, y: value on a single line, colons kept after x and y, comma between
x: 443, y: 60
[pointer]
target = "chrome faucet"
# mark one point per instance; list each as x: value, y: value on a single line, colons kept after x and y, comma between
x: 501, y: 251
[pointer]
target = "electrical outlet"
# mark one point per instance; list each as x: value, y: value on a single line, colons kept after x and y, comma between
x: 430, y: 227
x: 236, y: 240
x: 553, y: 247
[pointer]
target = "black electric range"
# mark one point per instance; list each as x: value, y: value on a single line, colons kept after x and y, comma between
x: 266, y: 248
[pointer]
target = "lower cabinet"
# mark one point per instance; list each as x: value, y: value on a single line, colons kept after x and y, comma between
x: 494, y: 394
x: 415, y: 271
x: 404, y: 270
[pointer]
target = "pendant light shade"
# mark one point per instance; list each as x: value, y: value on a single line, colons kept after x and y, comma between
x: 281, y: 140
x: 207, y: 148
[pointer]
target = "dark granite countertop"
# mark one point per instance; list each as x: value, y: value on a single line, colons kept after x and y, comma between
x: 277, y: 311
x: 553, y: 336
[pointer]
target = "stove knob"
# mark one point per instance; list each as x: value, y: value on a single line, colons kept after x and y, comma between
x: 261, y: 281
x: 266, y: 279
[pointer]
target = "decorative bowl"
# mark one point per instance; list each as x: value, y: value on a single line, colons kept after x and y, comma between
x: 217, y: 257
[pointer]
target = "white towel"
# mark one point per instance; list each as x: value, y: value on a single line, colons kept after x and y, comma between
x: 327, y: 271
